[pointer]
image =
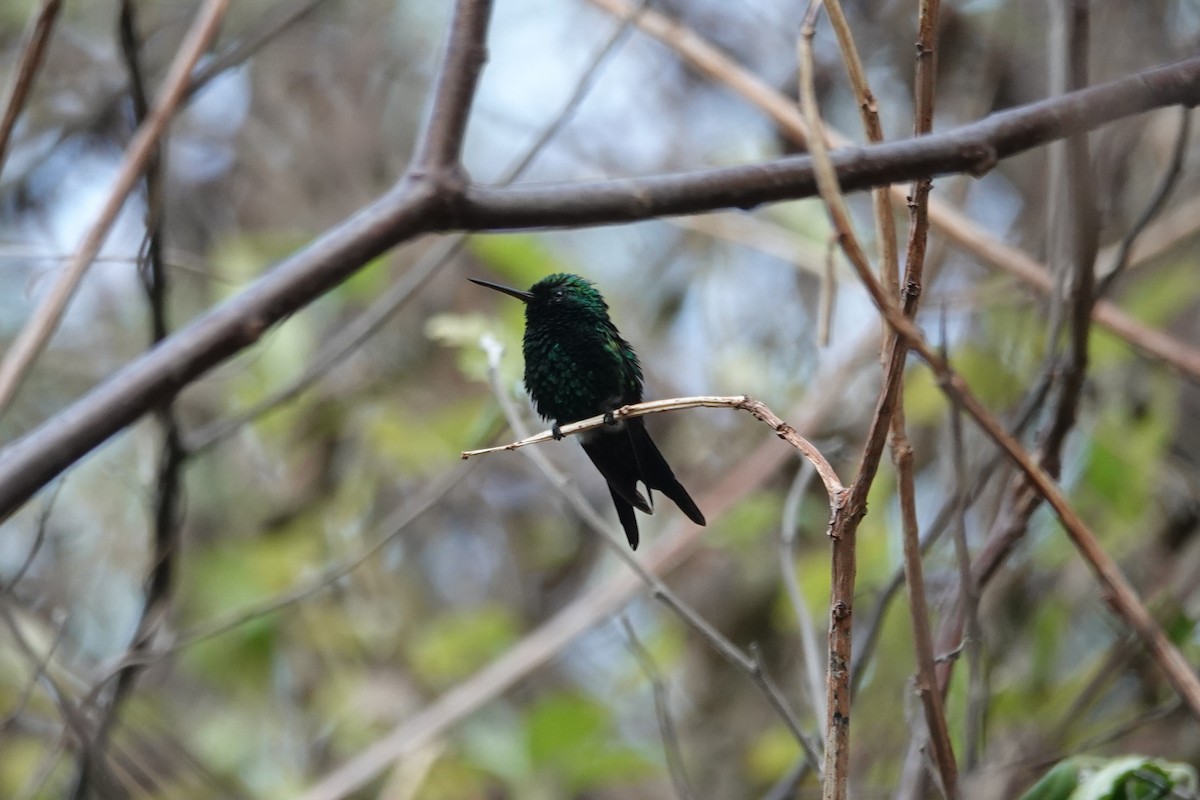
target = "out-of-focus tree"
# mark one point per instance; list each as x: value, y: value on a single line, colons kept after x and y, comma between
x: 280, y: 576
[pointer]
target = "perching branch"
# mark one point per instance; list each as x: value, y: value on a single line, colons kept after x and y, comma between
x: 833, y: 485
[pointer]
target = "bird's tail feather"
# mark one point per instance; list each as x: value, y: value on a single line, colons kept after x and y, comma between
x: 617, y: 462
x: 626, y: 516
x: 656, y: 473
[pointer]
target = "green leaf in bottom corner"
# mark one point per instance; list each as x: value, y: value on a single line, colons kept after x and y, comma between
x: 1123, y: 778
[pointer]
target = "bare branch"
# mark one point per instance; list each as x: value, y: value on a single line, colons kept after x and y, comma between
x: 833, y: 484
x: 666, y: 723
x: 36, y: 43
x: 440, y: 144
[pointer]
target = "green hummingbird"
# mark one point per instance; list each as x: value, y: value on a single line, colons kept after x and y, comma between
x: 577, y: 365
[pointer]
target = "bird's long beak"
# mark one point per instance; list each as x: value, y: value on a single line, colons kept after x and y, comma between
x: 524, y: 297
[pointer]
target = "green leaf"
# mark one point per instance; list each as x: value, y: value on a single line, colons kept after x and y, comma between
x: 1057, y: 784
x: 1123, y: 778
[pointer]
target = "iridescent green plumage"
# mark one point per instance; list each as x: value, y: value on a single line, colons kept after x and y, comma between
x: 578, y: 366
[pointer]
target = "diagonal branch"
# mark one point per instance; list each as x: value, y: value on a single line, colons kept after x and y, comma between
x: 37, y: 42
x: 974, y: 148
x: 440, y: 145
x: 41, y: 326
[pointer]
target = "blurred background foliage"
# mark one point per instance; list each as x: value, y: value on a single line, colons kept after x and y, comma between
x: 462, y: 561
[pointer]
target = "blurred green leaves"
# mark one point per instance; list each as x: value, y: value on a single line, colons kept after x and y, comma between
x: 450, y: 647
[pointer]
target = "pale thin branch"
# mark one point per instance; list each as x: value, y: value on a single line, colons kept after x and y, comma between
x: 666, y: 722
x: 885, y: 222
x: 36, y: 333
x: 756, y: 408
x: 811, y: 654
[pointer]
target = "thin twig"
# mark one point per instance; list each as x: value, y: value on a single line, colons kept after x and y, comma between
x: 1158, y: 200
x: 942, y: 750
x: 39, y: 539
x: 810, y: 652
x: 36, y: 333
x: 666, y: 722
x: 885, y: 221
x: 977, y: 691
x: 168, y: 480
x: 393, y: 525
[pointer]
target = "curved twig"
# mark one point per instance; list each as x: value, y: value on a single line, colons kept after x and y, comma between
x: 758, y: 409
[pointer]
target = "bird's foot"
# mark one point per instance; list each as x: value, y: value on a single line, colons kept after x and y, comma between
x: 609, y: 418
x: 556, y: 432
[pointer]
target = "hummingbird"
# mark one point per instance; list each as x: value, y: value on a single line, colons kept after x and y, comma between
x: 577, y: 365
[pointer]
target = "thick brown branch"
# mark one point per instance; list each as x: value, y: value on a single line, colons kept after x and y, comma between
x: 973, y: 148
x: 441, y: 142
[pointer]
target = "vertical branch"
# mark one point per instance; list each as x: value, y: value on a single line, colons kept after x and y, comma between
x: 902, y: 453
x: 977, y: 690
x: 885, y: 222
x: 36, y: 43
x: 844, y: 528
x: 168, y: 478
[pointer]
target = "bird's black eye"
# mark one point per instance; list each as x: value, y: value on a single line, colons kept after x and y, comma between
x: 559, y: 294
